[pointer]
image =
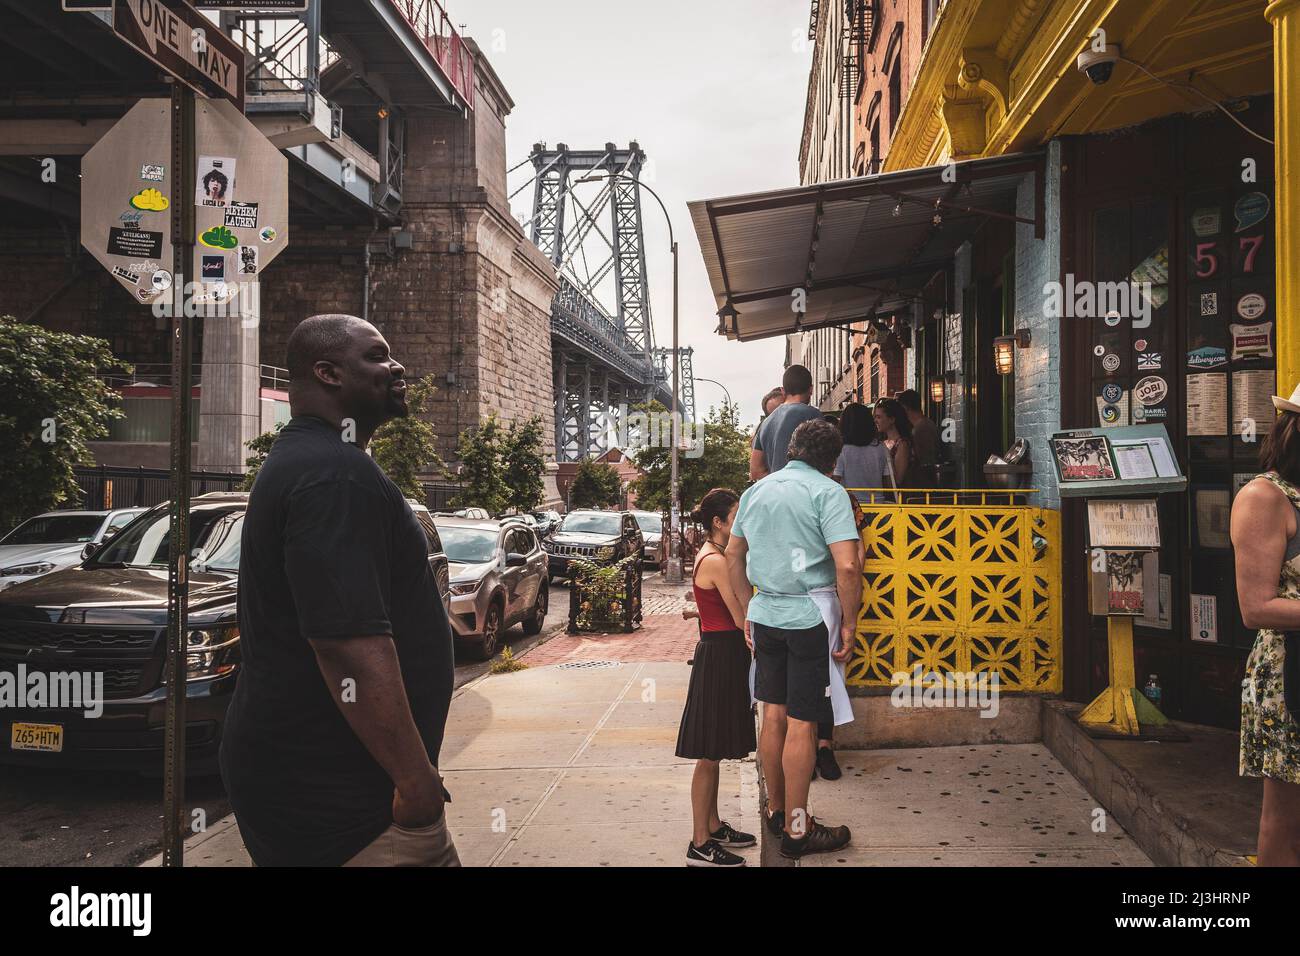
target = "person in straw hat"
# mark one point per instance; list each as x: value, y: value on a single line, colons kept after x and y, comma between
x: 1266, y: 541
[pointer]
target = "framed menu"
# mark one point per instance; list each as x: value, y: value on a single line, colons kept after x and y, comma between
x: 1115, y: 462
x: 1120, y: 523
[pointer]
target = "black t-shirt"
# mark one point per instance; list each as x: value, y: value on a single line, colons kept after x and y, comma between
x: 330, y: 550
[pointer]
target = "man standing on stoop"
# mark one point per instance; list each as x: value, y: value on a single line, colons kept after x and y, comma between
x: 794, y: 538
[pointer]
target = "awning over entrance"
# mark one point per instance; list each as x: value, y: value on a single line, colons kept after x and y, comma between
x: 858, y: 246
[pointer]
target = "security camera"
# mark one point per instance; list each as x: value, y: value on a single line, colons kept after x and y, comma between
x: 1099, y: 66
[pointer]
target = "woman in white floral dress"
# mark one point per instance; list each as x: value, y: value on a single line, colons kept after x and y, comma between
x: 1266, y: 540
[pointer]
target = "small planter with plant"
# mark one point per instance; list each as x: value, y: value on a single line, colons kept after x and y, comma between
x: 606, y: 597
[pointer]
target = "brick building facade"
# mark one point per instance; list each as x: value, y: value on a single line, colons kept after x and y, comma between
x: 866, y: 53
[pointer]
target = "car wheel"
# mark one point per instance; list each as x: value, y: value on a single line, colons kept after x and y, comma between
x: 491, y: 636
x: 534, y: 622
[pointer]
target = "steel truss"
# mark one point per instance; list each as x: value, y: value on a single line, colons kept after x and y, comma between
x: 602, y: 332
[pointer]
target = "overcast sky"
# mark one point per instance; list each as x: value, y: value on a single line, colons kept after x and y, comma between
x: 713, y: 90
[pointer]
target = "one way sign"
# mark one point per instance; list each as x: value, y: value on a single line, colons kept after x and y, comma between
x: 185, y: 43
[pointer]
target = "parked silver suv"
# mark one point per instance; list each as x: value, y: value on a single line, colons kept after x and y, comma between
x: 498, y: 579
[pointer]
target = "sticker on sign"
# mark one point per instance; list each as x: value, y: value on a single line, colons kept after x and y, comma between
x: 241, y: 215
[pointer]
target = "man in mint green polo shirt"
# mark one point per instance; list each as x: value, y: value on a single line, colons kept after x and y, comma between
x: 795, y: 532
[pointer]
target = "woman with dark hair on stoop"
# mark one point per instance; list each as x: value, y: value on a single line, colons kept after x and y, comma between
x: 717, y: 722
x: 1266, y: 542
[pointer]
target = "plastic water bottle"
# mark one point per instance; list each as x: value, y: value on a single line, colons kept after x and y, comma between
x: 1152, y: 689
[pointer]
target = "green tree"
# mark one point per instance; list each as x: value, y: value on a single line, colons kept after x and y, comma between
x: 523, y: 464
x: 595, y: 485
x: 53, y: 404
x: 723, y: 462
x: 480, y: 451
x: 406, y: 448
x: 260, y: 448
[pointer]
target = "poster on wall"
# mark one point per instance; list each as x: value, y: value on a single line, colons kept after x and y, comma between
x: 214, y: 181
x: 1161, y: 615
x: 1207, y: 403
x: 1212, y: 512
x: 1154, y: 269
x: 1252, y: 402
x: 1083, y: 459
x: 1120, y: 523
x: 1127, y: 584
x: 1205, y: 618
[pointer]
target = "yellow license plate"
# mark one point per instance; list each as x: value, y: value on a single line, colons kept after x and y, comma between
x: 47, y: 737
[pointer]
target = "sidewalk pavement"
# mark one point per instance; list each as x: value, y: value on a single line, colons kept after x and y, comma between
x: 986, y: 805
x: 569, y: 762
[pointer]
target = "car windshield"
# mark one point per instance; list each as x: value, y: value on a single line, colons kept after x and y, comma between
x: 650, y: 522
x: 55, y: 529
x: 214, y: 536
x: 594, y: 523
x: 468, y: 545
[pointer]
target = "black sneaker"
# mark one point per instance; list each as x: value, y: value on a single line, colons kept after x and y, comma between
x: 727, y: 835
x: 818, y: 839
x: 776, y: 822
x: 711, y: 855
x: 826, y: 765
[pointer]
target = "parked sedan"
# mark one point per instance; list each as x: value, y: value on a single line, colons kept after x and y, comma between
x: 57, y: 540
x: 498, y: 578
x: 651, y: 524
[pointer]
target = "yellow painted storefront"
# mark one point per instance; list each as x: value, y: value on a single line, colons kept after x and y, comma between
x: 999, y: 77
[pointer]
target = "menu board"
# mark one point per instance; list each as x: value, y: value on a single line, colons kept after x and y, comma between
x: 1119, y: 523
x: 1207, y: 403
x: 1119, y: 461
x: 1252, y: 402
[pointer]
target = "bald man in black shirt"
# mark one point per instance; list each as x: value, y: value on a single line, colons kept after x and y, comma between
x: 331, y: 745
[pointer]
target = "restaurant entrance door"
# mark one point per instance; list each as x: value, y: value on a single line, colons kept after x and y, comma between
x: 1183, y: 207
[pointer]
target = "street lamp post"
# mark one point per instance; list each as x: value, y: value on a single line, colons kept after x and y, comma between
x: 713, y: 381
x: 674, y: 573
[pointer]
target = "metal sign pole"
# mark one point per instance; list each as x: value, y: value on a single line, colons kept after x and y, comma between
x: 182, y: 227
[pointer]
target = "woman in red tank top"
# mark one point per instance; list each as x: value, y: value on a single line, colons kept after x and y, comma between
x: 717, y: 721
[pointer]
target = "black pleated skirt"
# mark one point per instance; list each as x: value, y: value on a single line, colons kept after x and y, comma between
x: 718, y: 720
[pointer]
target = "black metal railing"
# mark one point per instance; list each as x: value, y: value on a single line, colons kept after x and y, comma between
x: 105, y: 486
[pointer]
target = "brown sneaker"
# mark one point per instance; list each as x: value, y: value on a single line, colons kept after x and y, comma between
x: 818, y: 839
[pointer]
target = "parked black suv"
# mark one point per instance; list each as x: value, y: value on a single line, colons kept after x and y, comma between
x: 600, y: 536
x: 109, y: 615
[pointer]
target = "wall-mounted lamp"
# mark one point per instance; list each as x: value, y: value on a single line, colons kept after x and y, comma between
x: 727, y: 318
x: 938, y: 385
x: 936, y: 389
x: 1004, y: 350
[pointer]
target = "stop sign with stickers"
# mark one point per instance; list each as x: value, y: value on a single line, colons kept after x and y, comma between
x: 126, y: 183
x: 240, y: 197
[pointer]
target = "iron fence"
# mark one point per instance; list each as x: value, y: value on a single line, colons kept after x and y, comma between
x: 107, y: 487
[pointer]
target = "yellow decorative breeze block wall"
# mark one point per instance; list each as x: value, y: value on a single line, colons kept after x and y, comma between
x: 966, y: 588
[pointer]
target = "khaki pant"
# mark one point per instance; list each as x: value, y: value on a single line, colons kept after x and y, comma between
x: 398, y: 846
